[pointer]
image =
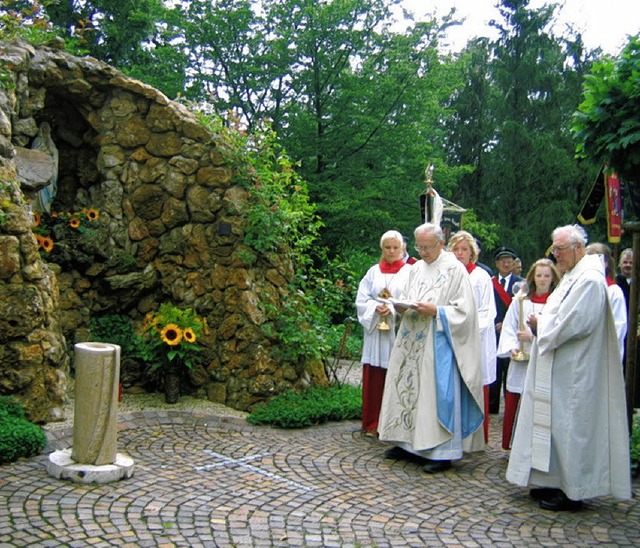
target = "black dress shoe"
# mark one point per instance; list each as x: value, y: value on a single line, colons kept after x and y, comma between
x: 546, y: 493
x: 396, y: 453
x: 435, y: 466
x: 560, y: 503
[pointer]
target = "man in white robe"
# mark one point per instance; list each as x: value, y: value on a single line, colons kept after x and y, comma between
x: 433, y: 399
x: 571, y: 436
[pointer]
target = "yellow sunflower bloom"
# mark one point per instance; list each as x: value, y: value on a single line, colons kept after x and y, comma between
x: 189, y: 335
x: 93, y: 214
x: 74, y: 222
x: 47, y: 244
x: 171, y: 334
x: 36, y: 218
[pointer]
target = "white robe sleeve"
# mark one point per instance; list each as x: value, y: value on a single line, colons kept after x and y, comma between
x: 366, y: 303
x: 619, y: 309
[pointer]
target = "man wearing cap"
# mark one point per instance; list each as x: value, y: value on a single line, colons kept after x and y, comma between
x: 503, y: 284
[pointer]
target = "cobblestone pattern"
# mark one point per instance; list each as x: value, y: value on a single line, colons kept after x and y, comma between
x: 210, y: 481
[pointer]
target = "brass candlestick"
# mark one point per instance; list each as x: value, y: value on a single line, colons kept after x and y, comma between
x: 521, y: 289
x: 382, y: 325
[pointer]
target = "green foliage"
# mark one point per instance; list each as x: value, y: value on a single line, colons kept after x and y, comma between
x: 635, y: 441
x: 172, y: 335
x: 18, y: 436
x: 118, y: 329
x: 310, y: 407
x: 607, y: 122
x: 278, y: 213
x: 25, y: 19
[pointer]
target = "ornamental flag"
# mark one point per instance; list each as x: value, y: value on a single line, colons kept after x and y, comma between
x: 605, y: 186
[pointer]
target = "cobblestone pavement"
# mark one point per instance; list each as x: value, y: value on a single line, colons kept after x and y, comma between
x: 209, y: 480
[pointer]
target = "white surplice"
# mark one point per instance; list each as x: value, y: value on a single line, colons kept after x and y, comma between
x: 485, y: 301
x: 377, y: 343
x: 572, y: 429
x: 509, y: 341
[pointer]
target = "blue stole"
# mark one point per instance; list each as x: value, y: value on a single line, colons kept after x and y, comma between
x: 446, y: 365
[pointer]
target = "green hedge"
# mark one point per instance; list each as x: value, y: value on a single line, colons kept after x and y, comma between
x: 18, y: 436
x: 310, y: 407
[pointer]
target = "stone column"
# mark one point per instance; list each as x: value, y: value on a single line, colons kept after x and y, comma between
x: 96, y: 403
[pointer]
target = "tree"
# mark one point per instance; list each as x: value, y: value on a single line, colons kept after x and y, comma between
x: 607, y: 122
x: 518, y: 103
x: 358, y: 105
x: 143, y: 38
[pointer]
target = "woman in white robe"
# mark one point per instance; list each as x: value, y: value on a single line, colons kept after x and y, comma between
x: 464, y: 247
x: 541, y: 279
x: 382, y: 281
x: 616, y: 295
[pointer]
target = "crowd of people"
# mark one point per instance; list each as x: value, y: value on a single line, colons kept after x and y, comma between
x: 446, y: 341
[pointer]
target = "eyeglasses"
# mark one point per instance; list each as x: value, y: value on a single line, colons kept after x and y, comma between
x: 560, y: 248
x: 425, y: 248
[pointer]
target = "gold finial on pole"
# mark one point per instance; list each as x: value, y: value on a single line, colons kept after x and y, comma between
x: 429, y: 175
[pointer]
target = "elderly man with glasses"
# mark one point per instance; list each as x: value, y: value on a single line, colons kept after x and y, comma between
x: 571, y: 439
x: 433, y: 399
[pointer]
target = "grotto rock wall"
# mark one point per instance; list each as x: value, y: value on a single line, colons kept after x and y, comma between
x: 170, y: 229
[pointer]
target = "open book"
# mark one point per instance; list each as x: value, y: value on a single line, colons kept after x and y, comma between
x: 399, y: 302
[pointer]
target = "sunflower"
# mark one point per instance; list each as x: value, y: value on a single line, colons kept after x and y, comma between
x: 92, y: 214
x: 171, y: 334
x: 74, y: 222
x: 36, y: 218
x: 47, y: 244
x: 189, y: 335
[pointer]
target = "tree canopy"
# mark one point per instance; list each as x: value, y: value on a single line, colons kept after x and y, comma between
x: 362, y: 105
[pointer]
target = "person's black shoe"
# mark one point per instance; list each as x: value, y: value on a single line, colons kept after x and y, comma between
x: 560, y: 503
x: 546, y: 493
x: 396, y: 453
x: 435, y: 466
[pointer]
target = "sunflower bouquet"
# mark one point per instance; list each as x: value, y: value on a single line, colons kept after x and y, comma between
x: 59, y: 233
x: 173, y: 335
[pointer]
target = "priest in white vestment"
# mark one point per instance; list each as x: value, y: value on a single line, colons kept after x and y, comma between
x: 571, y: 437
x: 433, y: 400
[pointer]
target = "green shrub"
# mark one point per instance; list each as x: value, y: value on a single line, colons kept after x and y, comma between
x: 118, y: 329
x: 11, y: 407
x: 310, y: 407
x: 18, y: 436
x: 635, y: 446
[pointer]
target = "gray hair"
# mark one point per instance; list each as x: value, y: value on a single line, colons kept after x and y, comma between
x: 624, y: 253
x: 577, y: 234
x: 429, y: 228
x: 391, y: 235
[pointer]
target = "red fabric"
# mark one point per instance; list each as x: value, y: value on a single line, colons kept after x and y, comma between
x: 391, y: 268
x: 511, y: 400
x: 372, y: 387
x: 471, y: 267
x: 486, y: 413
x: 540, y: 299
x: 610, y: 281
x: 504, y: 296
x: 412, y: 260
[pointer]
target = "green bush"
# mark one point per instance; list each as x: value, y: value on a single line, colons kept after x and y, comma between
x: 310, y: 407
x: 635, y: 446
x: 118, y: 329
x: 18, y: 436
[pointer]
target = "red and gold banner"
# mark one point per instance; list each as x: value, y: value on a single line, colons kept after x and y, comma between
x: 614, y: 208
x: 605, y: 188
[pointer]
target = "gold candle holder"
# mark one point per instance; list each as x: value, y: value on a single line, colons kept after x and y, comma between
x: 521, y: 292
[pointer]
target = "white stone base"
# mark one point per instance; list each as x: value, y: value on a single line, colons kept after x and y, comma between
x: 62, y: 466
